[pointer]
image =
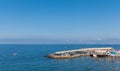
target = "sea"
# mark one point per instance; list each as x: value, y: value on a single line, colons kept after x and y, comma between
x: 32, y: 57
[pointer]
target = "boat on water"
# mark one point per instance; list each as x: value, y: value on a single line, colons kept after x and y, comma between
x: 94, y: 52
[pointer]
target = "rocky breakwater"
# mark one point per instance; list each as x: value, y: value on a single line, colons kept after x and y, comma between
x: 80, y: 52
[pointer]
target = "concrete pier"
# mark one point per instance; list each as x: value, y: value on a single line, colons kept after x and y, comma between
x: 95, y: 52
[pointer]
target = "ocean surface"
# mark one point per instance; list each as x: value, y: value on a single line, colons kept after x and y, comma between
x: 31, y: 57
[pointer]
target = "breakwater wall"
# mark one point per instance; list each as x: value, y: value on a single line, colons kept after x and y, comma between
x: 95, y: 52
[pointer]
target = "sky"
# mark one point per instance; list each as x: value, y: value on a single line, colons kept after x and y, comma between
x: 59, y: 21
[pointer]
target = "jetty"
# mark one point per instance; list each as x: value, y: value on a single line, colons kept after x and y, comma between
x: 94, y: 52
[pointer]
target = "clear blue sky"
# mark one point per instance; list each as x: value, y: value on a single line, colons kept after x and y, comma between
x: 59, y: 21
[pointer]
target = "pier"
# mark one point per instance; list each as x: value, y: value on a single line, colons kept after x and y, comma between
x: 94, y: 52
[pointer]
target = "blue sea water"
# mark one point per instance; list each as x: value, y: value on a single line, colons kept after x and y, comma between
x: 31, y: 57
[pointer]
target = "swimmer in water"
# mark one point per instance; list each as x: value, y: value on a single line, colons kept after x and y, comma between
x: 14, y: 54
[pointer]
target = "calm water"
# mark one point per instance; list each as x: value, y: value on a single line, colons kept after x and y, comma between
x: 32, y: 58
